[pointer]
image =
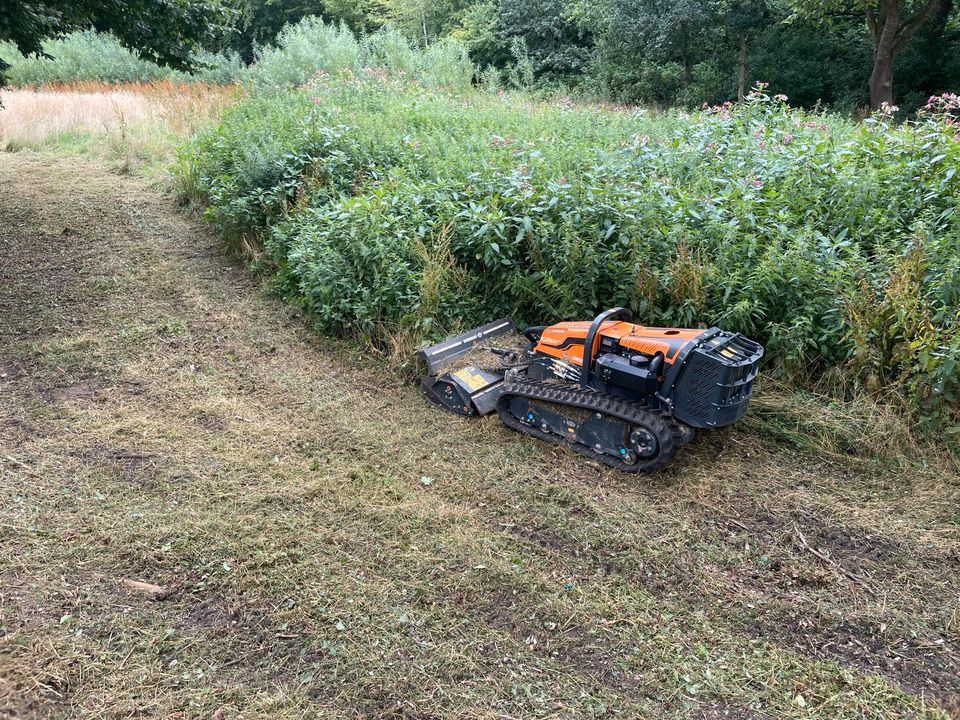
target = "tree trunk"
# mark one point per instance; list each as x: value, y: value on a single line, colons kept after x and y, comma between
x: 890, y: 36
x: 884, y: 29
x: 742, y: 67
x: 881, y: 79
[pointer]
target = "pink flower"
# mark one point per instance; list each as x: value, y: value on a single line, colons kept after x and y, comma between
x: 375, y: 73
x: 780, y: 97
x: 787, y: 138
x: 945, y: 103
x: 810, y: 124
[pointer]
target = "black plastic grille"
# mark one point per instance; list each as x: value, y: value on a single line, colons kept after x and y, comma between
x: 716, y: 381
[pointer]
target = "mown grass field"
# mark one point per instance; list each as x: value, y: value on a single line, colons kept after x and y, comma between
x: 329, y: 545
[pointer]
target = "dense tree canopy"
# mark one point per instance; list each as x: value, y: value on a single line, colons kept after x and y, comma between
x: 843, y: 53
x: 163, y: 30
x: 694, y: 51
x: 892, y: 25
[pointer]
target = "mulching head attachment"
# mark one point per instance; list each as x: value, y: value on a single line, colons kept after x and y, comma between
x: 463, y: 388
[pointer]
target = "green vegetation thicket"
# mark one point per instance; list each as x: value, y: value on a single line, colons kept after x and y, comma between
x: 396, y: 209
x: 302, y: 49
x: 841, y: 53
x: 170, y: 33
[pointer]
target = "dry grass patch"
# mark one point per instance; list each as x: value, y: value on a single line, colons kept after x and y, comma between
x: 132, y: 125
x: 29, y: 116
x: 868, y: 426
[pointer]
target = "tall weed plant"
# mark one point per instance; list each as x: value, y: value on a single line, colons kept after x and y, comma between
x: 80, y: 56
x: 300, y: 52
x: 312, y: 46
x: 836, y: 244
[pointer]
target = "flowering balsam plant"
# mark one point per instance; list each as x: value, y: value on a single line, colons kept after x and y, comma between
x: 411, y: 210
x: 946, y: 109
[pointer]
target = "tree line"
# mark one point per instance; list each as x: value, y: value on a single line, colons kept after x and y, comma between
x: 847, y: 54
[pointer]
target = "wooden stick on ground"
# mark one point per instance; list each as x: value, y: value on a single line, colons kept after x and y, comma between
x: 833, y: 563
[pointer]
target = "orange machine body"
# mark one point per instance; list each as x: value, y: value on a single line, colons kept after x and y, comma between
x: 565, y: 340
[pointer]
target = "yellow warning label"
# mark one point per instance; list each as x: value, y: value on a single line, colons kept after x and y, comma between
x: 474, y: 380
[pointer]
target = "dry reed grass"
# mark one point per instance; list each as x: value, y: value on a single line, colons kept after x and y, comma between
x: 31, y: 116
x: 865, y: 427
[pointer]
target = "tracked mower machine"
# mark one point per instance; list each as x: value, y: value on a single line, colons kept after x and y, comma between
x: 620, y: 393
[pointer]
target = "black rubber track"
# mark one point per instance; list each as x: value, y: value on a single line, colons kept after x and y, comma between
x: 631, y: 412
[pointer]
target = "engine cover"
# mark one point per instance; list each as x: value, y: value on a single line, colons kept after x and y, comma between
x: 564, y: 341
x: 704, y: 378
x: 621, y: 372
